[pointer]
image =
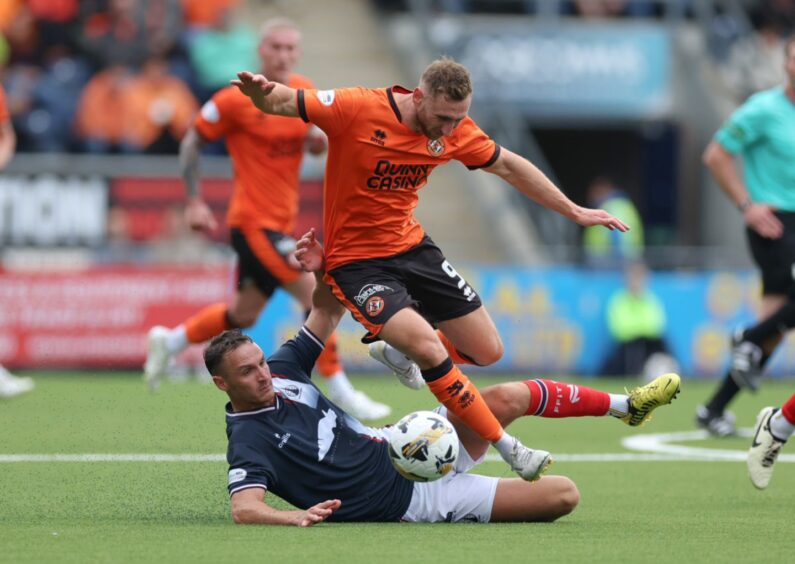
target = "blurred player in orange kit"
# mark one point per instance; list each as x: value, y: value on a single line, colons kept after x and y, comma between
x: 383, y: 145
x: 10, y: 385
x: 266, y: 152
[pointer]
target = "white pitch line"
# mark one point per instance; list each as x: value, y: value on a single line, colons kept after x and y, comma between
x: 651, y: 447
x: 112, y: 458
x: 658, y: 443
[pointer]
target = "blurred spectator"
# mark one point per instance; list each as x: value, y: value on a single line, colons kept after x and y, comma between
x: 612, y: 249
x: 219, y: 53
x: 128, y: 32
x: 636, y: 322
x: 100, y: 119
x: 600, y: 8
x: 177, y: 243
x: 158, y: 109
x: 756, y: 61
x: 47, y: 124
x: 207, y: 13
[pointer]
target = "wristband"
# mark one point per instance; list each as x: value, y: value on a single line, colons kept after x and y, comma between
x: 744, y: 205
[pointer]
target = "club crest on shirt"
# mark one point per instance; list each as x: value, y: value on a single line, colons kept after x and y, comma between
x: 374, y: 306
x: 435, y: 147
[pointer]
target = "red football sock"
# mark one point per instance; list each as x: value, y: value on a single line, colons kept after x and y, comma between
x: 207, y: 323
x: 788, y: 410
x: 328, y: 363
x: 556, y: 399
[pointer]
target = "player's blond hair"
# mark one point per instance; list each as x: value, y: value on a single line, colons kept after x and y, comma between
x: 272, y: 24
x: 445, y: 76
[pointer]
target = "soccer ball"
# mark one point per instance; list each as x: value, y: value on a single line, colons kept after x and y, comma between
x: 423, y: 446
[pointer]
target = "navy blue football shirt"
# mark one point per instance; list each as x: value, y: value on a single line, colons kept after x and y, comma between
x: 306, y: 450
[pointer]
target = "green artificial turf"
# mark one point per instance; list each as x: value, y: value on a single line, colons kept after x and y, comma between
x: 660, y: 511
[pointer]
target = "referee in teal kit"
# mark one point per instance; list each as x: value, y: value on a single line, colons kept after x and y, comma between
x: 762, y: 131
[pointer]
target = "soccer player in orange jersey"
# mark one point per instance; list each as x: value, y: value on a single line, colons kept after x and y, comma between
x: 383, y: 144
x: 10, y: 385
x: 266, y: 152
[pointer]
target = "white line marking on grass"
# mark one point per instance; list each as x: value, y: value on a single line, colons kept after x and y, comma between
x: 652, y: 447
x: 112, y: 458
x: 658, y: 443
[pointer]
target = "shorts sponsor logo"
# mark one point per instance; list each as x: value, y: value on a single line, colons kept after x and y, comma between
x: 390, y: 176
x: 237, y: 475
x: 374, y: 306
x: 326, y: 97
x: 369, y: 290
x: 435, y: 147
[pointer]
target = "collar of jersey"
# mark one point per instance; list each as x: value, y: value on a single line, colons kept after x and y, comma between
x: 392, y: 102
x: 230, y: 413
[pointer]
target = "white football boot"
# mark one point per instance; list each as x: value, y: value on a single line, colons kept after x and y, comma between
x: 361, y: 406
x: 407, y: 372
x: 12, y: 386
x: 157, y: 357
x: 764, y: 450
x: 529, y: 463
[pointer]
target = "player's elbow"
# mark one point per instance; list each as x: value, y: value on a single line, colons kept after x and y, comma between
x: 242, y: 515
x: 712, y: 155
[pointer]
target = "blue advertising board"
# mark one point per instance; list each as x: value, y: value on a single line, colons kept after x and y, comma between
x: 552, y: 320
x: 608, y: 70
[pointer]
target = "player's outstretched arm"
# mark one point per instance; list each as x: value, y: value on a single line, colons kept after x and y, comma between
x: 530, y: 181
x: 269, y: 97
x: 326, y: 309
x: 197, y: 212
x: 249, y: 508
x: 759, y: 217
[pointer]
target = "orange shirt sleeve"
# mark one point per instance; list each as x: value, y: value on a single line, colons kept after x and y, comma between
x: 216, y: 116
x: 475, y: 149
x: 330, y: 110
x: 4, y: 115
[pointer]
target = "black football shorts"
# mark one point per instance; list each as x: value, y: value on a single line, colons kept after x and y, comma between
x: 374, y: 290
x: 776, y: 257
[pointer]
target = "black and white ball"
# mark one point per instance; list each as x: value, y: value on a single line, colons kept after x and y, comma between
x: 423, y: 446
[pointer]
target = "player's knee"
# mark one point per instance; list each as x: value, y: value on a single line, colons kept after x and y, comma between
x: 427, y: 353
x: 490, y: 351
x: 568, y: 497
x: 504, y: 402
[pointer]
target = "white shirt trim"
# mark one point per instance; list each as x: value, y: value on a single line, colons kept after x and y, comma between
x: 247, y: 487
x: 254, y: 412
x: 309, y: 334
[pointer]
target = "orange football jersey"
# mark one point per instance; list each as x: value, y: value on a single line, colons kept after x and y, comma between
x: 266, y: 156
x: 375, y: 167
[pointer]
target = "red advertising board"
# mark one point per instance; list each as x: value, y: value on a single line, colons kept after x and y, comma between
x: 98, y: 317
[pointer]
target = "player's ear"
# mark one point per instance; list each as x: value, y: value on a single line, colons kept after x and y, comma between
x: 220, y: 383
x: 417, y: 95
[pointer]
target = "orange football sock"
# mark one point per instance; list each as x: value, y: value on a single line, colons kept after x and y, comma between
x: 460, y: 396
x: 457, y: 356
x: 328, y: 363
x: 206, y: 324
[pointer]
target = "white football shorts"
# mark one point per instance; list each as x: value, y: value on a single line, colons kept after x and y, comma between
x: 457, y: 497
